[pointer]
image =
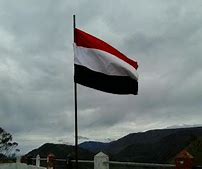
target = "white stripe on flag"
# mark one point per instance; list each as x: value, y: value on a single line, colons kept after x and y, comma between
x: 103, y: 62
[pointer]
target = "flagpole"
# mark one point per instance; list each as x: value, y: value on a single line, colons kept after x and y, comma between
x: 75, y: 102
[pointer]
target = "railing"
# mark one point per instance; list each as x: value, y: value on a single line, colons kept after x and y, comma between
x: 143, y: 164
x: 101, y: 161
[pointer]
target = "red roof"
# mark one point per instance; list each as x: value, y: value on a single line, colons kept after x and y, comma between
x: 184, y: 154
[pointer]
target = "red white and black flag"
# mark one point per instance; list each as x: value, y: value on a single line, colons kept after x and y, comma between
x: 100, y: 66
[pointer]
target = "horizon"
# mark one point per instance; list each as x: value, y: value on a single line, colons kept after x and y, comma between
x: 105, y: 141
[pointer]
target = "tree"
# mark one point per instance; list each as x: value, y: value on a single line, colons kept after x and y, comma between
x: 6, y: 143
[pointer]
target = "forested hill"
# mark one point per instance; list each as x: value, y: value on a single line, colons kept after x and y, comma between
x: 157, y: 146
x: 61, y: 151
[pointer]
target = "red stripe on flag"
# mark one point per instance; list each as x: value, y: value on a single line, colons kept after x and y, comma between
x: 86, y: 40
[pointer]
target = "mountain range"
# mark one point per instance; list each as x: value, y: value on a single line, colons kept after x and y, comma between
x: 156, y: 146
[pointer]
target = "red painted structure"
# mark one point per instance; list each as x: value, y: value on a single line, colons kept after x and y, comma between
x: 51, y: 161
x: 184, y: 160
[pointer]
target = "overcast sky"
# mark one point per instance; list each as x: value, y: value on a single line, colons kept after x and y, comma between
x: 36, y: 68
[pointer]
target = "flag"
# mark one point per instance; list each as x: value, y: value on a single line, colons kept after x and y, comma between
x: 100, y: 66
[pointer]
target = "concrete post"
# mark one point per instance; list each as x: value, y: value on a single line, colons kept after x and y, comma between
x: 51, y: 161
x: 38, y: 160
x: 101, y: 161
x: 18, y: 159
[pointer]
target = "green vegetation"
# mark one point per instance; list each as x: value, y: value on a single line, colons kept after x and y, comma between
x: 7, y: 146
x: 60, y: 151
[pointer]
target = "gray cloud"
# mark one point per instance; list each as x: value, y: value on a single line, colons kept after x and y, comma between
x: 36, y: 68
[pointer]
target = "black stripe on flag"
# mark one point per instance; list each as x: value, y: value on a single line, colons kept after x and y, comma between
x: 103, y: 82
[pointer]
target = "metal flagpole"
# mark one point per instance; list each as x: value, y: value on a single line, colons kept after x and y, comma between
x: 75, y: 102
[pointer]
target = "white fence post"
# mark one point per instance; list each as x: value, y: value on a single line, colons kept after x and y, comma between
x: 38, y: 160
x: 101, y: 161
x: 18, y: 159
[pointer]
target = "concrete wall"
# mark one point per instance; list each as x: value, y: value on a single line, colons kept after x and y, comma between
x: 18, y: 166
